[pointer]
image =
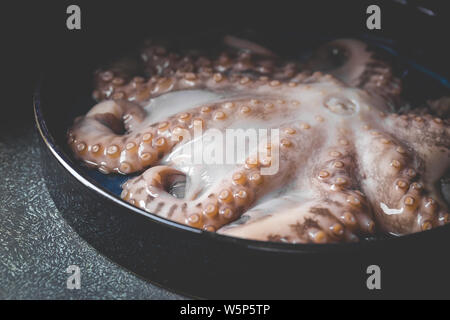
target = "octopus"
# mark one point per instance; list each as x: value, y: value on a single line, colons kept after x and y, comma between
x: 349, y: 166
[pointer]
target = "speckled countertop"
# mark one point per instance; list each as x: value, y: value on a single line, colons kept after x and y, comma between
x: 37, y: 245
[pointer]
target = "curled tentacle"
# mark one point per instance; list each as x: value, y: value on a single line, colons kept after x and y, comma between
x: 222, y: 203
x: 225, y: 200
x: 99, y: 140
x: 352, y: 62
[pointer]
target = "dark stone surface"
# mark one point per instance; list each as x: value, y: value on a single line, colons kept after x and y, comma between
x: 37, y: 245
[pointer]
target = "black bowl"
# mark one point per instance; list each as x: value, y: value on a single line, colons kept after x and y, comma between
x: 209, y: 265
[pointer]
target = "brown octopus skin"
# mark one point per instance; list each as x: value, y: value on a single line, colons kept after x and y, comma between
x: 378, y: 172
x: 122, y: 79
x: 122, y: 82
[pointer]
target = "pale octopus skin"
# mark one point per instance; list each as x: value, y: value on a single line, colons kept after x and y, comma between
x: 348, y: 166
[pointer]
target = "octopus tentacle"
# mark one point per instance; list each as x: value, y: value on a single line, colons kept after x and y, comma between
x: 249, y: 46
x: 339, y: 183
x: 304, y: 222
x: 309, y: 221
x: 224, y: 201
x: 352, y: 62
x: 338, y: 211
x: 426, y: 130
x: 97, y: 138
x: 94, y: 140
x: 397, y: 187
x: 246, y: 59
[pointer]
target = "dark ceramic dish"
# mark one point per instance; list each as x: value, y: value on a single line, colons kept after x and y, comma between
x: 209, y: 265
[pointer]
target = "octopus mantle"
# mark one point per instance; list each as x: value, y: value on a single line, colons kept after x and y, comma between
x: 348, y: 165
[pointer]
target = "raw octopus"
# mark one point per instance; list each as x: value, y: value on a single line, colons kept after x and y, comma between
x: 348, y: 165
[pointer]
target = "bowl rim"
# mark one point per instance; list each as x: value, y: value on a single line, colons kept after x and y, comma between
x: 67, y: 163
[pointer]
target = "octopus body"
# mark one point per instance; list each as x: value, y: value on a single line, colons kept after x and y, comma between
x: 347, y: 165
